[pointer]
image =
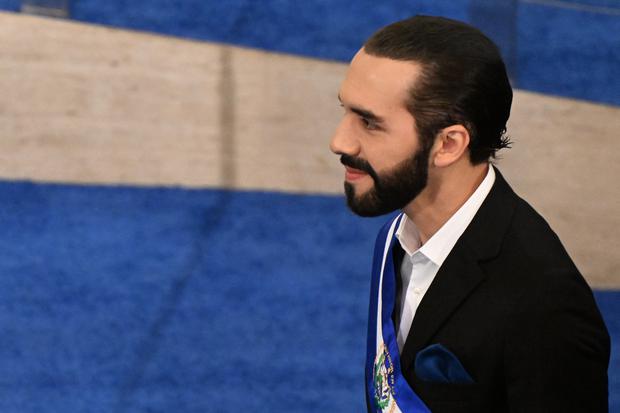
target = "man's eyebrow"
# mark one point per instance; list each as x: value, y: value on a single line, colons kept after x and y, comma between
x: 364, y: 113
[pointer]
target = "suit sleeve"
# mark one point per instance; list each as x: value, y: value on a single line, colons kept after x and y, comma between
x: 556, y: 349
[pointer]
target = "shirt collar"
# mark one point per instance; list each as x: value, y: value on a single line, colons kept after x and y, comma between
x: 441, y: 243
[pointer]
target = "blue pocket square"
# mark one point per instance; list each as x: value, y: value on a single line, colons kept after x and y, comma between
x: 437, y: 364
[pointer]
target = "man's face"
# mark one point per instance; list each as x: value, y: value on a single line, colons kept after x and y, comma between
x: 386, y: 167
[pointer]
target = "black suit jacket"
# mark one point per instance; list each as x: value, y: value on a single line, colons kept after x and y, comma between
x: 511, y: 305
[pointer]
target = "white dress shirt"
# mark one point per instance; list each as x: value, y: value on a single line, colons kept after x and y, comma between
x: 421, y: 262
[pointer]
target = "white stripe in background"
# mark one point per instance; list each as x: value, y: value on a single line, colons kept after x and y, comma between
x: 612, y: 11
x: 88, y: 104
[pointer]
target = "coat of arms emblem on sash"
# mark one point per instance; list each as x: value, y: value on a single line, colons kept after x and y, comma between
x: 383, y: 377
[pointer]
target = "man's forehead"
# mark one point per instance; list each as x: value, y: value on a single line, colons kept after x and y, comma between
x: 378, y: 81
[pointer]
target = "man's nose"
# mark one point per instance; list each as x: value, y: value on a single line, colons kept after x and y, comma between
x: 343, y: 141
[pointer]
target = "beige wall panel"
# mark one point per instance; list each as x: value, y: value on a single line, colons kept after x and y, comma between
x: 284, y: 109
x: 81, y: 103
x: 87, y: 104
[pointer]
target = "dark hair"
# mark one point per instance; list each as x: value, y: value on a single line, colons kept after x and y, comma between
x: 463, y: 80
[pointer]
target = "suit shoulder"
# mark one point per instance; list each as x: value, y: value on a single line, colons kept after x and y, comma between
x: 535, y: 240
x: 535, y: 270
x: 533, y: 259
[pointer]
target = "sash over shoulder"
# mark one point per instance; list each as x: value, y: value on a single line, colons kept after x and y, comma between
x: 388, y: 391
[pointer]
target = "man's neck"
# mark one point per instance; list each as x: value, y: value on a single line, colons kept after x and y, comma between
x: 445, y: 193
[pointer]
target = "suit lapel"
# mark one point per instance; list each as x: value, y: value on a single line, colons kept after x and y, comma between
x: 461, y: 273
x: 457, y: 278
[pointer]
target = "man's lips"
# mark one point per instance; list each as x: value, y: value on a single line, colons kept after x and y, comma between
x: 352, y: 174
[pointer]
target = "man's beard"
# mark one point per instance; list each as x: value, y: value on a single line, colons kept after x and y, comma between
x: 392, y: 190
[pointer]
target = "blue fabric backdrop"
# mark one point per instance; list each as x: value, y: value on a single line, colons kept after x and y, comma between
x: 130, y: 299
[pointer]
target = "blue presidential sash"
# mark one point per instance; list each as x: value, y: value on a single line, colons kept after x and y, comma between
x: 388, y: 391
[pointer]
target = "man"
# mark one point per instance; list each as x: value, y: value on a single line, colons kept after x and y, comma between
x: 475, y: 305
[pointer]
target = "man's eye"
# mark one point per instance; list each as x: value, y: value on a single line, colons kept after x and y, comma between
x: 369, y: 123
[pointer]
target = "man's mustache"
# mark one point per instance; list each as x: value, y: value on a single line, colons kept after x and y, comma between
x: 358, y: 163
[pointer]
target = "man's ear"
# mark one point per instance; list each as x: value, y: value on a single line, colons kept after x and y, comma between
x: 451, y: 144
